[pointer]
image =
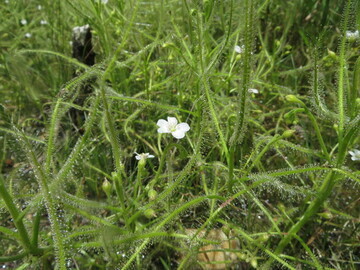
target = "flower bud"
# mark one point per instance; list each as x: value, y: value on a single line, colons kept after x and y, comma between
x: 263, y: 238
x: 332, y: 54
x: 253, y: 263
x: 358, y: 103
x: 149, y: 213
x: 152, y: 194
x: 288, y: 133
x: 106, y: 187
x: 326, y: 215
x: 293, y: 98
x: 336, y: 127
x: 241, y: 256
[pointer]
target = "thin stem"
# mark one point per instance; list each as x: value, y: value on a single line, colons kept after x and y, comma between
x: 276, y: 138
x: 36, y: 227
x: 55, y: 224
x: 115, y: 149
x: 9, y: 202
x: 318, y: 133
x: 341, y: 72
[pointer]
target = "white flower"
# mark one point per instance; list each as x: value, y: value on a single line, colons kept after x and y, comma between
x: 253, y: 90
x: 43, y: 22
x: 143, y: 156
x: 23, y: 21
x: 104, y: 1
x: 352, y: 35
x: 355, y: 154
x: 239, y: 49
x: 7, y: 1
x: 39, y: 7
x: 172, y: 126
x: 28, y: 35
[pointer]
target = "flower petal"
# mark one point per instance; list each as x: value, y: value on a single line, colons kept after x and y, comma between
x: 172, y: 121
x: 178, y: 134
x: 183, y: 127
x: 138, y: 157
x: 150, y: 156
x: 163, y: 126
x: 162, y: 122
x: 253, y: 90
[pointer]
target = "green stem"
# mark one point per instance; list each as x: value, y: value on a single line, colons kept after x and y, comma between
x: 9, y: 202
x: 354, y: 91
x: 52, y: 133
x: 276, y: 138
x: 318, y: 133
x: 36, y: 227
x: 164, y: 222
x: 13, y: 258
x: 313, y: 208
x: 140, y: 170
x: 59, y: 244
x: 341, y: 72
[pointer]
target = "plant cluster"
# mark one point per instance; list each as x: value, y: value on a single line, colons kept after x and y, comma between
x: 208, y: 135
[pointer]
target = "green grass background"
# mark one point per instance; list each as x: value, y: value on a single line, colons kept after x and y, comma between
x: 271, y: 170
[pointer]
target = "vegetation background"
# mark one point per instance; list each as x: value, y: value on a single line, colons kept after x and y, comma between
x: 270, y: 90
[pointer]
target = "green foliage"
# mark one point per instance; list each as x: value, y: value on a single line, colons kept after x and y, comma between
x: 263, y: 179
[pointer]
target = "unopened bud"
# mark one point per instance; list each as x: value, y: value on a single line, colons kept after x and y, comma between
x: 326, y: 215
x: 332, y: 54
x: 253, y: 263
x: 106, y: 186
x: 149, y: 213
x: 288, y: 133
x: 241, y: 256
x: 293, y: 98
x: 152, y: 194
x: 358, y: 102
x: 263, y: 238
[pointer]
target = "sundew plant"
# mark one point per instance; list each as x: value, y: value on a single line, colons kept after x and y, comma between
x: 190, y: 134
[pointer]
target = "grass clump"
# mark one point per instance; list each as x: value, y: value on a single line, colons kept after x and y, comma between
x: 266, y: 177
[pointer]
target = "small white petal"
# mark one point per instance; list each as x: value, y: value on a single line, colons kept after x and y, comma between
x: 253, y: 90
x: 355, y: 154
x: 143, y: 156
x: 163, y: 130
x: 183, y: 127
x: 23, y: 21
x: 162, y: 123
x: 163, y: 126
x: 172, y: 121
x: 178, y: 134
x: 352, y: 35
x: 238, y: 49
